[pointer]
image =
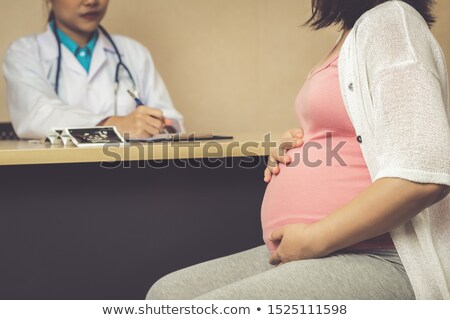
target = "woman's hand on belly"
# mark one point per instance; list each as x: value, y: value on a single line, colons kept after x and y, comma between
x: 386, y: 204
x: 289, y: 140
x: 296, y: 242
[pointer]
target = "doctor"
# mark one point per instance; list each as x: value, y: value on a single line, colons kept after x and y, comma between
x: 76, y: 75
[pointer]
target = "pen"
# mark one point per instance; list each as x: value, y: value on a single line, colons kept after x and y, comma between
x: 135, y: 96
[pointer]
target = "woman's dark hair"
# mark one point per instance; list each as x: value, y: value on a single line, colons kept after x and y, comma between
x: 346, y: 12
x: 51, y: 16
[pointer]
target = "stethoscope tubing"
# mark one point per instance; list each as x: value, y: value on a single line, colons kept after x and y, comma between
x: 116, y: 50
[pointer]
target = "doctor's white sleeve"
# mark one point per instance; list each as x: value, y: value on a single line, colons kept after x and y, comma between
x: 33, y: 104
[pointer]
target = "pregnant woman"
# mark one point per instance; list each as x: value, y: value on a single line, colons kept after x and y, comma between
x: 357, y: 208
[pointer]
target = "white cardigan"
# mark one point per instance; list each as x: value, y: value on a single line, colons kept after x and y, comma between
x: 394, y: 84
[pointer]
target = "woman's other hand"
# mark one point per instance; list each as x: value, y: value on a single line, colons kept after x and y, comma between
x: 296, y: 242
x: 290, y: 140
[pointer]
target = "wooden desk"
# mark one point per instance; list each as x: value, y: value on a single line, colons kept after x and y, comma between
x: 33, y: 153
x: 74, y: 225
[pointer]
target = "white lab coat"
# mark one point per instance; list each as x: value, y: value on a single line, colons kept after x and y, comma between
x: 84, y: 99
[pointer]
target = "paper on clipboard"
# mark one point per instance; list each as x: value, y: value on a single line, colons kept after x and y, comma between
x: 181, y: 137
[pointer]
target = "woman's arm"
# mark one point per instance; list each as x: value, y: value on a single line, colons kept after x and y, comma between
x: 386, y: 204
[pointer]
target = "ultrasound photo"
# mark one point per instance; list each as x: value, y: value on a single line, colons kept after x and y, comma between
x: 95, y: 136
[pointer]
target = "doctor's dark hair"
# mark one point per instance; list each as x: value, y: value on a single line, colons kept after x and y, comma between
x: 51, y: 16
x: 345, y: 13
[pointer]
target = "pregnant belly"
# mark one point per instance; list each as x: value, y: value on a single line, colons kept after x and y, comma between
x: 305, y: 193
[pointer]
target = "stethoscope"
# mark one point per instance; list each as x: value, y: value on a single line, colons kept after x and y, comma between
x: 120, y: 64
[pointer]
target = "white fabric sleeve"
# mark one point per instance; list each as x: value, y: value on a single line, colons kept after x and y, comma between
x: 409, y: 92
x: 412, y: 125
x: 33, y: 104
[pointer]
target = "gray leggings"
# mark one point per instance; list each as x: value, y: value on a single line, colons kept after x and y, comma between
x: 367, y: 275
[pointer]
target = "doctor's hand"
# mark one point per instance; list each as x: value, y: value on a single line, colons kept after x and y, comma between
x: 296, y: 242
x: 144, y: 122
x: 289, y: 140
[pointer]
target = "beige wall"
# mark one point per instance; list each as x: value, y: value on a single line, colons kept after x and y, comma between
x: 230, y: 65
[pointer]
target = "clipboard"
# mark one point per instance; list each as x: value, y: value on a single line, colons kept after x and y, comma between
x: 182, y: 137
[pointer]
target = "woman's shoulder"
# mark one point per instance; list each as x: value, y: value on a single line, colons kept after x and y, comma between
x: 23, y: 51
x: 391, y: 16
x: 394, y: 33
x: 25, y: 44
x: 35, y: 44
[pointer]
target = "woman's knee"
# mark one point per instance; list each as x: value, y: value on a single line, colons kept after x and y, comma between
x: 179, y: 285
x: 164, y: 289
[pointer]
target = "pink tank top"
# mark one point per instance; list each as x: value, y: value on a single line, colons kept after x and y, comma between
x: 319, y: 180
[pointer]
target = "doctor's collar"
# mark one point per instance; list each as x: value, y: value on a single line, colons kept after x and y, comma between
x: 72, y: 45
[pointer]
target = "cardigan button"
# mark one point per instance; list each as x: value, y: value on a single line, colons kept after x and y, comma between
x: 359, y: 139
x: 351, y: 87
